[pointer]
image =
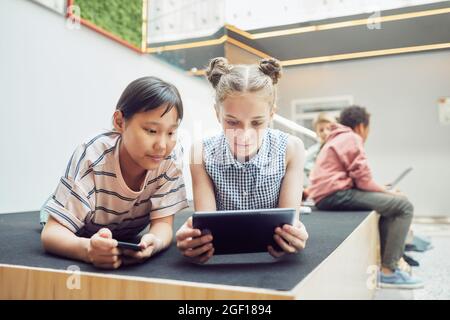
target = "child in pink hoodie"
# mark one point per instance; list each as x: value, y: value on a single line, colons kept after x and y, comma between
x: 341, y: 180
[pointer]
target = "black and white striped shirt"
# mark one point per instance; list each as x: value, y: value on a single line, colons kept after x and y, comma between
x: 92, y: 193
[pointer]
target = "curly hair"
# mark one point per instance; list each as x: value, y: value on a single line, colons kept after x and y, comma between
x: 353, y: 116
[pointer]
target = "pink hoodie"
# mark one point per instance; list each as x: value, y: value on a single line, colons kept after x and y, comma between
x: 341, y: 165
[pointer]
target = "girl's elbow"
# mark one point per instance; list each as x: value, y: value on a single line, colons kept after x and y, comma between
x: 45, y: 239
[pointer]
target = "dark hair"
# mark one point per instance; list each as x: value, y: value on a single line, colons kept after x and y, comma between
x: 354, y: 116
x: 148, y: 93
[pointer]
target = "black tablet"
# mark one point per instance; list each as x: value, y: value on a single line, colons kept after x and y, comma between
x: 399, y: 178
x: 243, y: 231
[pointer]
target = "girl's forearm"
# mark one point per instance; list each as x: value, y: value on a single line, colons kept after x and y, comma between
x: 58, y: 240
x: 162, y: 231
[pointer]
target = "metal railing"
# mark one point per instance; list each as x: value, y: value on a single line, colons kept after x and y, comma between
x: 294, y: 126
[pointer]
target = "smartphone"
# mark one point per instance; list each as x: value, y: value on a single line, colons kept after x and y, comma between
x: 129, y: 245
x: 391, y: 185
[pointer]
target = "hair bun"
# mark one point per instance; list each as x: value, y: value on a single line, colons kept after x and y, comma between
x: 272, y: 68
x: 216, y: 69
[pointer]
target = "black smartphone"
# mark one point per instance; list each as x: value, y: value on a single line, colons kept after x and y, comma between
x: 129, y: 245
x: 391, y: 185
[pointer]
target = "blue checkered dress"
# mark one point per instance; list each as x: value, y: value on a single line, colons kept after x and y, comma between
x: 254, y: 184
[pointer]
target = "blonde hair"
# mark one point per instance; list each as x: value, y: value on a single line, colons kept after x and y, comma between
x: 323, y: 118
x: 228, y: 79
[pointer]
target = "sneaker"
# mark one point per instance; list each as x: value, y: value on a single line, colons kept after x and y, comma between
x: 404, y: 266
x: 399, y: 280
x: 419, y: 244
x: 409, y: 260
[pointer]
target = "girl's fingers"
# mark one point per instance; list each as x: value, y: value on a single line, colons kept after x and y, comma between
x: 189, y: 222
x: 103, y: 243
x: 286, y: 236
x: 147, y: 240
x: 106, y: 253
x: 274, y: 253
x: 194, y: 243
x: 132, y: 254
x: 303, y: 233
x: 299, y: 230
x: 106, y: 259
x: 294, y: 230
x: 186, y: 233
x: 204, y: 258
x: 112, y: 252
x: 140, y: 255
x: 114, y: 265
x: 116, y: 252
x: 283, y: 245
x: 294, y: 241
x: 198, y: 251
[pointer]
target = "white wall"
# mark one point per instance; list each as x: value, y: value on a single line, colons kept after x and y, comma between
x: 59, y: 86
x: 401, y: 92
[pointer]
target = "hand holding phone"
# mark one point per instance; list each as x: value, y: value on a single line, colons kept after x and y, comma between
x: 129, y: 246
x: 137, y: 253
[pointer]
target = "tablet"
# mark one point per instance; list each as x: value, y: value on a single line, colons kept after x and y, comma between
x: 243, y: 231
x: 399, y: 178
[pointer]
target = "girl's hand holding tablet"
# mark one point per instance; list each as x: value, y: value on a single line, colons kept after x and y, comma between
x: 290, y: 238
x: 192, y: 244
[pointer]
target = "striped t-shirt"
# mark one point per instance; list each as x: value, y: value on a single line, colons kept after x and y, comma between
x: 92, y: 194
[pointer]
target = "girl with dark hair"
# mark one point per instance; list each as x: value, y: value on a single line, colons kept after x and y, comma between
x: 121, y: 181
